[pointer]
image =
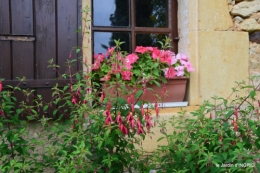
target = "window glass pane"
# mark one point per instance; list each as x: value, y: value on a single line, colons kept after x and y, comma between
x: 104, y: 40
x: 111, y: 12
x: 150, y: 39
x: 151, y: 13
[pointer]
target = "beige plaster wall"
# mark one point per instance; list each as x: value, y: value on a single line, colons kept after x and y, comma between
x: 86, y: 28
x: 219, y: 56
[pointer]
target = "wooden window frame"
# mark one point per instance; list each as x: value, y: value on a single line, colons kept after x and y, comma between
x: 171, y: 30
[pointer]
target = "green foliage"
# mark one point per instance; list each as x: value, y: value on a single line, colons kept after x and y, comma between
x: 222, y: 136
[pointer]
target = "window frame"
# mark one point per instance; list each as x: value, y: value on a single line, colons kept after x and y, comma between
x: 172, y: 28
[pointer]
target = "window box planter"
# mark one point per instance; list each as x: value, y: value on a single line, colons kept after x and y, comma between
x: 175, y: 91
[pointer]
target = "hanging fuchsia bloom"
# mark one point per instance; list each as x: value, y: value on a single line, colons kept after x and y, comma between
x: 102, y: 97
x: 164, y: 89
x: 156, y: 109
x: 139, y: 127
x: 130, y: 119
x: 70, y: 55
x: 144, y: 90
x: 108, y: 118
x: 236, y: 113
x: 119, y: 118
x: 1, y: 86
x: 210, y: 116
x: 235, y: 127
x: 133, y: 107
x: 74, y: 100
x: 129, y: 100
x: 123, y: 128
x: 108, y: 105
x: 148, y: 123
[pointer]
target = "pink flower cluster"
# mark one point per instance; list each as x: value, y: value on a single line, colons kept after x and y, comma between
x: 129, y: 123
x: 168, y: 57
x: 178, y: 65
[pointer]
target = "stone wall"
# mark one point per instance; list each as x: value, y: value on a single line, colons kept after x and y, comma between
x: 246, y: 17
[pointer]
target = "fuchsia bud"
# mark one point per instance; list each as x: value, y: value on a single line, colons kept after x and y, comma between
x: 133, y: 107
x: 1, y: 86
x: 108, y: 105
x: 258, y: 103
x: 70, y: 87
x: 119, y: 118
x: 163, y: 90
x: 70, y: 55
x: 108, y: 118
x: 130, y: 119
x: 74, y: 100
x: 102, y: 97
x: 129, y: 100
x: 144, y: 91
x: 123, y: 128
x: 210, y: 116
x: 236, y: 113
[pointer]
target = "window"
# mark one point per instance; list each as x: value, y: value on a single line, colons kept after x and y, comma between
x: 136, y: 22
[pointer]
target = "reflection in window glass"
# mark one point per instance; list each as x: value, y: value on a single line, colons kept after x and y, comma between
x: 104, y: 40
x: 151, y: 13
x: 149, y: 39
x: 111, y: 12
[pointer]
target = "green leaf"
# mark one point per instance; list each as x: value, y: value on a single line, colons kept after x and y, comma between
x: 161, y: 138
x: 78, y: 76
x: 45, y: 107
x: 257, y: 143
x: 118, y: 75
x: 257, y: 132
x: 252, y: 94
x: 78, y: 50
x: 229, y: 113
x: 258, y: 167
x: 55, y: 112
x: 138, y: 94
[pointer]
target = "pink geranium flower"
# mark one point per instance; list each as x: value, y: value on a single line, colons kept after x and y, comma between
x: 131, y: 58
x: 180, y: 70
x: 126, y: 75
x: 96, y: 65
x: 156, y: 53
x: 142, y: 50
x: 166, y: 56
x: 170, y: 72
x: 183, y: 58
x: 189, y: 67
x: 110, y: 51
x: 99, y: 57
